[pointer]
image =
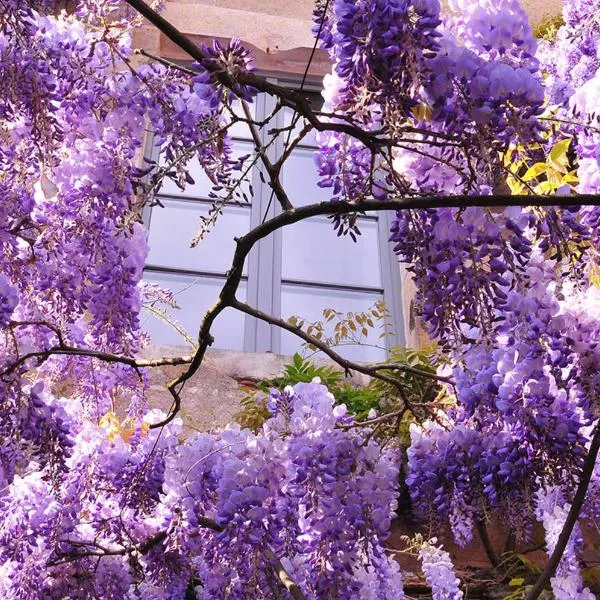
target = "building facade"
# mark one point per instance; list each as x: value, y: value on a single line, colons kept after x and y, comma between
x: 298, y: 271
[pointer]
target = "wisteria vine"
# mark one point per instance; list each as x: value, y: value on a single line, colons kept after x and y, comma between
x: 99, y: 495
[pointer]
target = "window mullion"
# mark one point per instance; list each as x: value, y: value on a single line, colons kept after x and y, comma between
x: 261, y: 291
x: 390, y: 273
x: 276, y: 240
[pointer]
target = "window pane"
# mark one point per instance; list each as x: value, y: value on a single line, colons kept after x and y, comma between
x: 173, y: 227
x: 310, y: 139
x: 300, y: 177
x: 202, y: 184
x: 309, y: 302
x: 240, y: 129
x: 194, y: 296
x: 311, y: 251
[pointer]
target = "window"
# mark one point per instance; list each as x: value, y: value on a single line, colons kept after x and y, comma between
x: 299, y: 270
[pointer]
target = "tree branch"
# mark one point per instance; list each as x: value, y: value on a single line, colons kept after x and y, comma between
x: 565, y: 534
x: 136, y: 363
x: 413, y: 371
x: 487, y: 543
x: 273, y: 170
x: 246, y: 243
x: 290, y: 585
x: 346, y: 364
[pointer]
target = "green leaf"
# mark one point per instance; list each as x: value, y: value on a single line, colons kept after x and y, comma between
x: 297, y: 360
x: 516, y: 582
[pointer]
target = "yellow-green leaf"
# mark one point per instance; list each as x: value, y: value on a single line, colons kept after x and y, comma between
x: 570, y: 177
x: 558, y: 154
x: 595, y: 276
x: 535, y: 171
x: 516, y: 187
x: 545, y: 187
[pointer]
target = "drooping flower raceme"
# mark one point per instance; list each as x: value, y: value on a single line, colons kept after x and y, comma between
x: 439, y: 572
x: 163, y: 516
x: 552, y: 511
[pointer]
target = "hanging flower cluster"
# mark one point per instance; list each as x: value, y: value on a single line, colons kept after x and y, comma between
x: 95, y: 505
x: 165, y: 516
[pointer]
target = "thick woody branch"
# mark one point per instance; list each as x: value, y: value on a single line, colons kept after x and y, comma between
x: 567, y: 530
x: 227, y: 297
x: 487, y: 543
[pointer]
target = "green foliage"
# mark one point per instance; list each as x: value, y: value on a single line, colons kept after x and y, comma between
x: 254, y: 411
x: 358, y: 400
x: 421, y: 388
x: 254, y: 404
x: 542, y: 177
x: 302, y: 370
x: 343, y: 329
x: 335, y: 329
x: 424, y: 394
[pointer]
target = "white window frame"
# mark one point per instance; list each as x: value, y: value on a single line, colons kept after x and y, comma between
x: 264, y: 269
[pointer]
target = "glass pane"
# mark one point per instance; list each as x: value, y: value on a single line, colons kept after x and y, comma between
x: 300, y: 177
x: 173, y: 227
x: 311, y: 251
x: 309, y: 303
x: 203, y: 185
x: 240, y: 129
x: 194, y: 296
x: 310, y: 139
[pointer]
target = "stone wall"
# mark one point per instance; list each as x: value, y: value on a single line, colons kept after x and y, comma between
x: 212, y: 396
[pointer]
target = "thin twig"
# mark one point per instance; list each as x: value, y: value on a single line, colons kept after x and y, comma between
x: 487, y: 543
x: 272, y: 170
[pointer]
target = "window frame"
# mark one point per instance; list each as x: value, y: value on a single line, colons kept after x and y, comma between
x: 264, y: 280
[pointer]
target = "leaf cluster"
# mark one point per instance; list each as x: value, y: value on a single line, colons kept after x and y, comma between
x: 554, y: 170
x: 343, y: 329
x: 423, y: 393
x: 359, y: 400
